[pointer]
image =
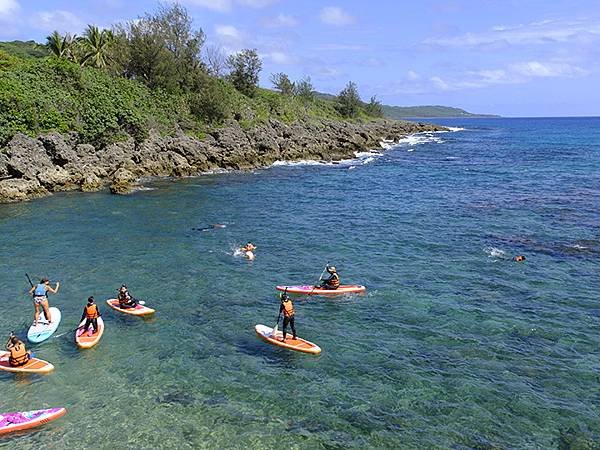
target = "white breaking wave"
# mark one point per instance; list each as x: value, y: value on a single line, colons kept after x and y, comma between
x: 368, y: 157
x: 494, y: 252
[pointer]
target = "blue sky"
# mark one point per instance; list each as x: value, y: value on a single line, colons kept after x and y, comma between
x: 514, y: 58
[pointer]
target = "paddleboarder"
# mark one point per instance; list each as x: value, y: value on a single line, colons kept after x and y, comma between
x: 287, y: 309
x: 333, y: 282
x: 19, y: 355
x: 40, y: 298
x: 91, y: 312
x: 126, y: 300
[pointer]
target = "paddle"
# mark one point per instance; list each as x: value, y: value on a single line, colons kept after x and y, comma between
x: 28, y: 279
x: 320, y: 278
x: 279, y: 316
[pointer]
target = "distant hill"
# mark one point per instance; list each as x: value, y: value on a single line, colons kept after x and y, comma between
x: 25, y: 49
x: 401, y: 112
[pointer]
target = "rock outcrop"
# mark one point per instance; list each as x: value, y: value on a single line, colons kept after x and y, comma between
x: 31, y: 168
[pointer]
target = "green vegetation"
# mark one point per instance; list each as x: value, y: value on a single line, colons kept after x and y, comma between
x: 402, y: 112
x: 149, y: 73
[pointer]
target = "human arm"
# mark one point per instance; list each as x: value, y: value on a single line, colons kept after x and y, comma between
x: 55, y: 290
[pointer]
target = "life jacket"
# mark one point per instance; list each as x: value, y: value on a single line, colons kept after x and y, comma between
x: 288, y: 308
x: 334, y: 281
x: 124, y: 297
x: 91, y: 311
x: 18, y: 355
x: 40, y: 291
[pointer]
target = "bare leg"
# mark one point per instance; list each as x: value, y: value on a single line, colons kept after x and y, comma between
x: 46, y: 310
x: 36, y: 313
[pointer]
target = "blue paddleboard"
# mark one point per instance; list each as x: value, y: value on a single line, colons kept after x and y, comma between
x: 43, y: 330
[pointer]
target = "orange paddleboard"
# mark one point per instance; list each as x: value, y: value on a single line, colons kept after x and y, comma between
x: 34, y: 365
x: 18, y: 421
x: 139, y: 310
x: 85, y: 340
x: 300, y: 345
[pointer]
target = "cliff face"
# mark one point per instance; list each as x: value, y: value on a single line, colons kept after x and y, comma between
x: 31, y: 168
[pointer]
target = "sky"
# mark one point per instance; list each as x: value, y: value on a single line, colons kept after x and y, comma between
x: 513, y: 58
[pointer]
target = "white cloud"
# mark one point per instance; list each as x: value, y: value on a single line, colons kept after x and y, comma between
x: 257, y: 3
x: 214, y: 5
x: 280, y: 21
x: 8, y: 7
x: 228, y: 32
x: 63, y: 21
x: 334, y: 15
x: 279, y: 57
x: 340, y: 47
x: 534, y: 69
x: 412, y: 75
x: 541, y: 32
x: 225, y: 6
x: 516, y: 73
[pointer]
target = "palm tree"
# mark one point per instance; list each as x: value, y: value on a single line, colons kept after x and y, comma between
x: 96, y: 45
x: 61, y: 46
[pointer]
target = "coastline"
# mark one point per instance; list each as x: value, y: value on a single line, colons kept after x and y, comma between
x: 37, y: 167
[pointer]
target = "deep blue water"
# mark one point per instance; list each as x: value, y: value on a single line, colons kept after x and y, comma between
x: 453, y: 346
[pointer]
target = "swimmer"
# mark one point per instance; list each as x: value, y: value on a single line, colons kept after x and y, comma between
x: 519, y: 258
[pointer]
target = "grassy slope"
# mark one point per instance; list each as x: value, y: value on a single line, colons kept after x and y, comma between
x: 40, y: 94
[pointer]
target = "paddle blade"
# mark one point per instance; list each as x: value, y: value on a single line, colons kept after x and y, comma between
x: 274, y: 332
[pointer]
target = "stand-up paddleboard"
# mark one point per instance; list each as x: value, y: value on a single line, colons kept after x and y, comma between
x: 34, y: 365
x: 83, y: 339
x: 43, y: 330
x: 300, y: 345
x: 311, y: 290
x: 139, y: 310
x: 18, y: 421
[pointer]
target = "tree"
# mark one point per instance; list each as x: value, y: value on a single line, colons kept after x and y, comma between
x: 61, y: 46
x: 349, y: 101
x: 373, y: 108
x: 304, y: 89
x: 164, y: 49
x: 215, y: 61
x: 283, y: 84
x: 96, y: 47
x: 245, y: 67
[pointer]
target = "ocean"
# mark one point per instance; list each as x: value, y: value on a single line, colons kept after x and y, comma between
x: 454, y: 345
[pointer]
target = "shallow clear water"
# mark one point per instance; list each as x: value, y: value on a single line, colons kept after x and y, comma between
x: 453, y: 346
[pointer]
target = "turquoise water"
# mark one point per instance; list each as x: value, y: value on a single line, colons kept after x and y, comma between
x: 453, y: 346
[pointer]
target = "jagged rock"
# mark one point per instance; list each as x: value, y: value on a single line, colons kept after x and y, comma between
x: 59, y: 150
x: 3, y: 166
x: 26, y: 157
x: 56, y: 178
x: 90, y: 182
x: 123, y: 182
x: 33, y: 167
x: 18, y: 189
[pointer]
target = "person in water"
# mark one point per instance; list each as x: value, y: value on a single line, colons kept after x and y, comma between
x: 126, y: 300
x: 519, y: 258
x: 40, y: 298
x: 333, y: 282
x: 249, y: 247
x: 19, y: 355
x: 287, y: 308
x: 91, y: 312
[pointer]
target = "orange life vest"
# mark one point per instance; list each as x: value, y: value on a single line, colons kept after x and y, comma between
x: 91, y: 311
x: 288, y: 308
x: 18, y: 355
x: 334, y: 280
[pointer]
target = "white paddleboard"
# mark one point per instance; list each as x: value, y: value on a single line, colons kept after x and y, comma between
x: 43, y: 330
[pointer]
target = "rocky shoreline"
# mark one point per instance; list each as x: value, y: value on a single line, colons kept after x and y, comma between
x: 32, y: 168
